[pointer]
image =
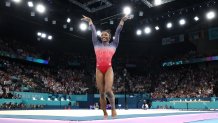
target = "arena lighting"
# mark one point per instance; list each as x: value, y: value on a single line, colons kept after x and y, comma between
x: 46, y: 19
x: 147, y: 30
x: 157, y: 27
x: 141, y: 13
x: 68, y: 20
x: 138, y: 32
x: 153, y: 3
x: 99, y: 33
x: 182, y: 22
x: 83, y: 26
x: 39, y: 33
x: 30, y: 3
x: 50, y: 37
x: 127, y: 10
x: 64, y: 26
x: 40, y: 8
x: 8, y: 4
x: 54, y: 22
x: 32, y: 14
x: 16, y: 1
x: 111, y: 22
x: 211, y: 15
x: 157, y: 2
x: 71, y: 29
x: 196, y: 18
x: 113, y: 37
x: 169, y: 25
x: 43, y: 35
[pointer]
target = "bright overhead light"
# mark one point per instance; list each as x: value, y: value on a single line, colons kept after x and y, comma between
x: 50, y: 37
x: 196, y: 18
x: 169, y: 25
x: 40, y: 8
x: 17, y: 1
x: 43, y: 35
x: 127, y: 10
x: 211, y: 15
x: 99, y: 33
x: 157, y: 27
x: 157, y: 2
x: 68, y: 20
x: 182, y: 22
x: 83, y: 26
x: 138, y: 32
x: 113, y: 37
x: 30, y: 3
x: 39, y: 33
x: 147, y: 30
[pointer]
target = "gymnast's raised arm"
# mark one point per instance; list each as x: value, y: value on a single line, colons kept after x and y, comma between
x: 92, y: 26
x: 118, y: 30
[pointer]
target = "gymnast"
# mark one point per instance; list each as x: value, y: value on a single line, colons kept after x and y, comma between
x: 104, y: 51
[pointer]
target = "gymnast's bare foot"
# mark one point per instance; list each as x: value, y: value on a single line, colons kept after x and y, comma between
x: 105, y: 117
x: 114, y: 113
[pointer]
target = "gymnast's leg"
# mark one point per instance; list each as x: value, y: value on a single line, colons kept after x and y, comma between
x: 100, y: 85
x: 109, y: 80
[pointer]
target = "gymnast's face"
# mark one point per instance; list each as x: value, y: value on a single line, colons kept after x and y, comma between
x: 105, y: 36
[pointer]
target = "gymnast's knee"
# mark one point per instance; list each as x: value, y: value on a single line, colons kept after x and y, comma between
x: 102, y: 95
x: 110, y: 94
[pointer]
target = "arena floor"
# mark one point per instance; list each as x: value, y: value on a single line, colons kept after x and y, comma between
x: 95, y: 116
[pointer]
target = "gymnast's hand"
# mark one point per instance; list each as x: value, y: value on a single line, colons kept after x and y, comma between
x: 87, y: 19
x: 127, y: 17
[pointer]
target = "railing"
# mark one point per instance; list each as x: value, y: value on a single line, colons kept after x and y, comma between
x: 186, y: 103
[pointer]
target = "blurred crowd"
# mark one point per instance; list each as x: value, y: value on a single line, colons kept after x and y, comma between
x: 17, y: 76
x: 15, y: 48
x: 190, y: 81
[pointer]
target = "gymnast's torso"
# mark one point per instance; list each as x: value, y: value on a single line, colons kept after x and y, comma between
x: 104, y: 51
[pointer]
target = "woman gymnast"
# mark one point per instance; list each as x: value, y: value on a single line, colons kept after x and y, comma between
x: 104, y: 51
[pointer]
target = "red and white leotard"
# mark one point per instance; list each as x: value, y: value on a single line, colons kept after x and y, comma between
x: 104, y: 52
